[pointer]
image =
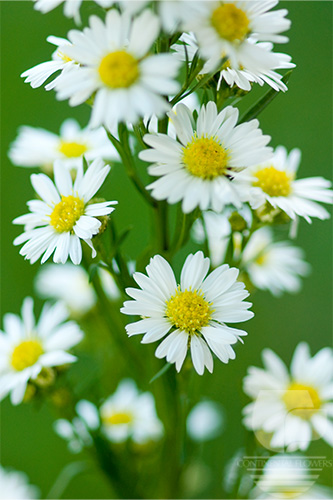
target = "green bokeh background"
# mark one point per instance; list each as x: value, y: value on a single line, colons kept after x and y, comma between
x: 301, y: 117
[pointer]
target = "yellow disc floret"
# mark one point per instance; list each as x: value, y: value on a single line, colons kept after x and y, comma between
x: 230, y: 22
x: 301, y: 400
x: 274, y: 182
x: 189, y: 310
x: 120, y: 418
x: 72, y: 149
x: 119, y: 69
x: 66, y: 213
x: 204, y: 157
x: 26, y: 354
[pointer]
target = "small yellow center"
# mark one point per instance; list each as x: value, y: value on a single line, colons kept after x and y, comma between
x: 301, y: 400
x: 189, y: 311
x: 72, y: 149
x: 119, y: 69
x: 274, y: 182
x: 261, y: 259
x: 230, y: 22
x: 204, y: 157
x: 26, y: 354
x: 66, y: 213
x: 118, y: 419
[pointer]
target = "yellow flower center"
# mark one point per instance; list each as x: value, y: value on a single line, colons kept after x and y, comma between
x: 230, y: 22
x: 72, y: 149
x: 301, y: 400
x: 261, y: 259
x: 274, y: 182
x: 118, y: 419
x: 66, y: 213
x: 204, y: 157
x: 189, y: 311
x: 119, y: 69
x: 26, y: 354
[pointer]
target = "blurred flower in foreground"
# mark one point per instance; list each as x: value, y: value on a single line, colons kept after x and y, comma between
x: 274, y: 266
x: 290, y: 476
x: 273, y: 183
x: 15, y: 486
x: 71, y: 7
x: 77, y: 432
x: 130, y: 414
x: 65, y: 213
x: 295, y: 408
x: 205, y: 421
x: 125, y: 79
x: 198, y: 169
x: 27, y: 347
x: 36, y: 147
x: 71, y: 284
x: 195, y: 311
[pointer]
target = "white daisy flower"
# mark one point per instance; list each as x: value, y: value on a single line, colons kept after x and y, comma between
x: 63, y: 216
x: 294, y: 407
x: 36, y: 147
x: 15, y: 485
x: 273, y: 266
x: 71, y: 285
x: 71, y: 7
x: 274, y: 182
x: 195, y: 311
x: 116, y: 65
x: 286, y: 476
x: 77, y: 432
x: 204, y: 422
x: 38, y: 75
x: 27, y: 346
x: 130, y: 414
x: 223, y: 29
x: 200, y: 167
x: 258, y: 69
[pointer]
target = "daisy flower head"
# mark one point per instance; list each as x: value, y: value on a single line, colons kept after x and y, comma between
x: 15, y: 486
x: 273, y: 266
x: 223, y: 29
x: 129, y: 414
x: 115, y: 65
x: 64, y: 215
x: 199, y: 167
x: 260, y: 68
x: 36, y: 147
x: 274, y: 183
x: 28, y: 346
x: 191, y: 314
x: 292, y: 408
x: 71, y: 7
x: 38, y: 75
x: 286, y: 476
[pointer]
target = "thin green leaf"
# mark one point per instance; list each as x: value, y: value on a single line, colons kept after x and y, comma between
x: 160, y: 373
x: 263, y: 102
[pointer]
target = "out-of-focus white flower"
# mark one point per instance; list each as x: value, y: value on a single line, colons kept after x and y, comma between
x: 274, y: 266
x: 191, y: 315
x: 200, y: 167
x: 289, y: 476
x: 64, y: 215
x: 26, y: 347
x: 294, y: 407
x: 205, y: 421
x: 15, y: 486
x: 71, y: 284
x: 71, y: 7
x: 129, y: 414
x: 36, y: 147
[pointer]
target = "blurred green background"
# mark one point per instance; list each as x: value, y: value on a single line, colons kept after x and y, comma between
x: 301, y: 117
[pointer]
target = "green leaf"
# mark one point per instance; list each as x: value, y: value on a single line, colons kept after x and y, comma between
x: 263, y: 102
x: 160, y: 372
